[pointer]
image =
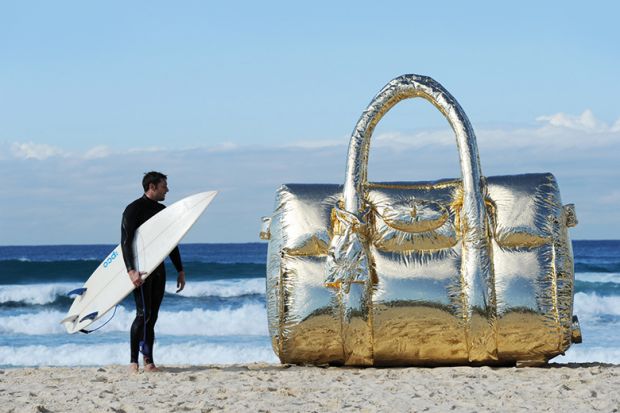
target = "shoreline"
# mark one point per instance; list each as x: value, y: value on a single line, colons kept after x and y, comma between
x: 274, y: 388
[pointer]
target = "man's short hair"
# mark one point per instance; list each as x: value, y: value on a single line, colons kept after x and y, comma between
x: 152, y: 178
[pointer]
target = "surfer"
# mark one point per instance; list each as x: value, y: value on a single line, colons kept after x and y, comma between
x: 148, y: 294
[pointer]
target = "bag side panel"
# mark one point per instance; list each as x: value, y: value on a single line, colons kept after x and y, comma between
x: 311, y: 322
x: 527, y: 324
x: 526, y: 241
x: 308, y: 312
x: 565, y: 271
x: 273, y: 278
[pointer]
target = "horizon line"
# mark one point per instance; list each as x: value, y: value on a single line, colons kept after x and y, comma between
x: 211, y: 243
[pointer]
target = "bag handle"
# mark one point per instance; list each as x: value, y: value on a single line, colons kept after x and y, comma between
x: 348, y: 261
x: 404, y: 87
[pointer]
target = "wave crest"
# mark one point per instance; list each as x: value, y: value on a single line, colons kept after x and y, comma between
x: 591, y: 305
x: 248, y: 320
x: 46, y: 294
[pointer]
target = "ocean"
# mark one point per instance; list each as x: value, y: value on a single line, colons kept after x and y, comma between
x: 220, y: 317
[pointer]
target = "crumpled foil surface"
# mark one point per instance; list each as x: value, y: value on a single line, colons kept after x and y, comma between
x: 458, y: 271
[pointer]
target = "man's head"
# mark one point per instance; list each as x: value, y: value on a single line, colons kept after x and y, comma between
x: 155, y: 185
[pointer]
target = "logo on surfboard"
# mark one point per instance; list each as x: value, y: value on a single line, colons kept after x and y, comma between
x: 110, y: 258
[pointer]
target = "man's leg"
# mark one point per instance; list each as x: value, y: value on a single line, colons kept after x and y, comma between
x: 142, y: 297
x: 158, y: 287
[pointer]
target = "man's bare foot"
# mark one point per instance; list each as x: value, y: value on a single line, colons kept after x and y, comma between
x: 151, y: 368
x: 133, y: 368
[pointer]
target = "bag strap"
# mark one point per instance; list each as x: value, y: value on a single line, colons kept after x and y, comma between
x: 347, y: 258
x: 405, y: 87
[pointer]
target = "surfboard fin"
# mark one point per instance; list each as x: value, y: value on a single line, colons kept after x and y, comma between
x: 69, y: 319
x: 90, y: 316
x: 77, y: 292
x: 93, y: 315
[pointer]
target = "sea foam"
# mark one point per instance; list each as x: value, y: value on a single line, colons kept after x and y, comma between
x: 585, y: 354
x: 589, y: 305
x: 248, y: 319
x: 220, y: 288
x: 35, y: 293
x: 598, y: 277
x: 192, y: 353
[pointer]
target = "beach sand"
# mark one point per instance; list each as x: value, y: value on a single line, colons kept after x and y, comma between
x: 277, y: 388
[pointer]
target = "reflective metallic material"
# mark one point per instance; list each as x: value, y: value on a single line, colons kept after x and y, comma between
x: 264, y: 230
x: 470, y: 271
x: 347, y: 260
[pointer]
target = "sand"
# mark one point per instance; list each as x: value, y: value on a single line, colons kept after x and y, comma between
x: 276, y: 388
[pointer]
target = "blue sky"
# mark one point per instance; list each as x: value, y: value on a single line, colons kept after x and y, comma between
x: 244, y: 96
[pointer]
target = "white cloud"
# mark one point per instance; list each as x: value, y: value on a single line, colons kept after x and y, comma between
x: 224, y: 147
x: 39, y: 151
x: 97, y: 152
x: 558, y: 132
x: 586, y: 122
x: 147, y: 149
x: 397, y: 140
x: 60, y: 193
x: 316, y: 144
x: 31, y: 150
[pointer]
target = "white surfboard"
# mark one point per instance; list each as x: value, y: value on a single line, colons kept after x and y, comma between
x: 154, y: 240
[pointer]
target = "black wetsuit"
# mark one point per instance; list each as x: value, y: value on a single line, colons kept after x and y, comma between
x: 149, y: 296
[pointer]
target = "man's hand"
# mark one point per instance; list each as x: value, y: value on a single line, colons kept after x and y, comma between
x: 136, y: 277
x: 181, y: 281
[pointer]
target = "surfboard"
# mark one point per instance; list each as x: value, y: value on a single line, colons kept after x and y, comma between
x: 154, y: 240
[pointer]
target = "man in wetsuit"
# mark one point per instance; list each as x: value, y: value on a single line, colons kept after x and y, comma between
x: 148, y: 294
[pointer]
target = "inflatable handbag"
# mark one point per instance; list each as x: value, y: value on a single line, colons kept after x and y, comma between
x: 458, y: 271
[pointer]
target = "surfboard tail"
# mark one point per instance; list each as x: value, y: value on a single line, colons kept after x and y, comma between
x: 69, y: 319
x: 90, y: 316
x: 78, y: 292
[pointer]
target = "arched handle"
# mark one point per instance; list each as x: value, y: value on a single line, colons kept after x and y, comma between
x: 347, y: 259
x: 412, y: 86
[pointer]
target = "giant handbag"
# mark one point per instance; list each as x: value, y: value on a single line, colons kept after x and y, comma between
x: 457, y: 271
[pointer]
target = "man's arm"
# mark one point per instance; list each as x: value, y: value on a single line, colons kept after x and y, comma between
x: 128, y: 232
x: 129, y: 225
x: 175, y: 257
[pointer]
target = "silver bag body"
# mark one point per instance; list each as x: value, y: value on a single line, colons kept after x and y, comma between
x: 463, y: 271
